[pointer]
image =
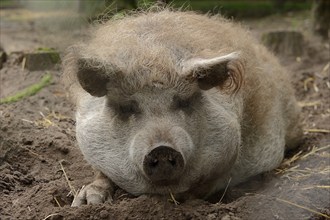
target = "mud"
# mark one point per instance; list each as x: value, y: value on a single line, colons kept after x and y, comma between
x: 40, y: 164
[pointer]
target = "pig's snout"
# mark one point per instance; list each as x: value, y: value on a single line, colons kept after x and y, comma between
x: 163, y: 165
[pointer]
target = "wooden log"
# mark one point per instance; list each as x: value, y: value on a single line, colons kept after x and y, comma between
x: 321, y: 18
x: 287, y: 43
x: 41, y: 60
x: 3, y: 57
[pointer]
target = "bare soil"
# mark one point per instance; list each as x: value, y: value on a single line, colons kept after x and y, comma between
x: 40, y: 163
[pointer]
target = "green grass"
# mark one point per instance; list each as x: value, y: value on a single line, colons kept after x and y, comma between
x: 241, y: 8
x: 54, y: 55
x: 8, y: 4
x: 237, y: 8
x: 29, y: 91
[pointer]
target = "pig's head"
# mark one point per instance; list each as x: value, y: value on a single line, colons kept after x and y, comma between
x: 158, y: 127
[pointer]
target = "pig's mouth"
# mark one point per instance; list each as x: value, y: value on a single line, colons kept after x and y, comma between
x: 164, y: 182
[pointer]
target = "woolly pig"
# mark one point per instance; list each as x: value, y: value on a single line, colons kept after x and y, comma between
x: 177, y: 102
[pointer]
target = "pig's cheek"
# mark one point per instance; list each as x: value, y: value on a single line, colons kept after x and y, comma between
x: 221, y: 148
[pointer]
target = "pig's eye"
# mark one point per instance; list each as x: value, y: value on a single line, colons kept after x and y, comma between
x: 186, y: 104
x: 181, y: 104
x: 127, y: 109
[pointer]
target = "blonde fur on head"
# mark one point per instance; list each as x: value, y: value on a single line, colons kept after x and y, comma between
x: 154, y: 41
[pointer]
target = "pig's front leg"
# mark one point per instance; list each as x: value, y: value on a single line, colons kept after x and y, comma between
x: 100, y: 190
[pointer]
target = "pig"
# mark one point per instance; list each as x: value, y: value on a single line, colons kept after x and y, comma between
x: 177, y: 102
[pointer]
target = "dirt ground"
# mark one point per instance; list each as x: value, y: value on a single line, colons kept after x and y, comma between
x: 40, y: 163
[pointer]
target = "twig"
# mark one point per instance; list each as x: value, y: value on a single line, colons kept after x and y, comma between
x: 316, y: 130
x: 67, y: 180
x: 325, y: 68
x: 223, y: 195
x: 31, y: 122
x: 314, y: 150
x: 293, y: 204
x: 308, y: 104
x: 23, y: 63
x: 307, y: 81
x: 284, y: 166
x: 303, y: 207
x: 59, y: 205
x: 320, y: 187
x: 48, y: 216
x: 316, y: 89
x: 173, y: 199
x: 289, y: 161
x: 299, y: 173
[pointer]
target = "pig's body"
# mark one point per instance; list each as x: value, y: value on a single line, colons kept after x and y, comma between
x: 196, y: 89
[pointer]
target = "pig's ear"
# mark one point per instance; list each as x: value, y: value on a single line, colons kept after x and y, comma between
x: 225, y: 72
x: 92, y: 77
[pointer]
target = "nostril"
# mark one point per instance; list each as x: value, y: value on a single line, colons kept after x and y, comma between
x: 172, y: 161
x: 153, y: 163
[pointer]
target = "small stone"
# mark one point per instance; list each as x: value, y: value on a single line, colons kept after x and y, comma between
x: 27, y: 180
x: 212, y: 216
x: 27, y: 142
x: 17, y: 173
x: 63, y: 149
x: 226, y: 217
x: 104, y: 214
